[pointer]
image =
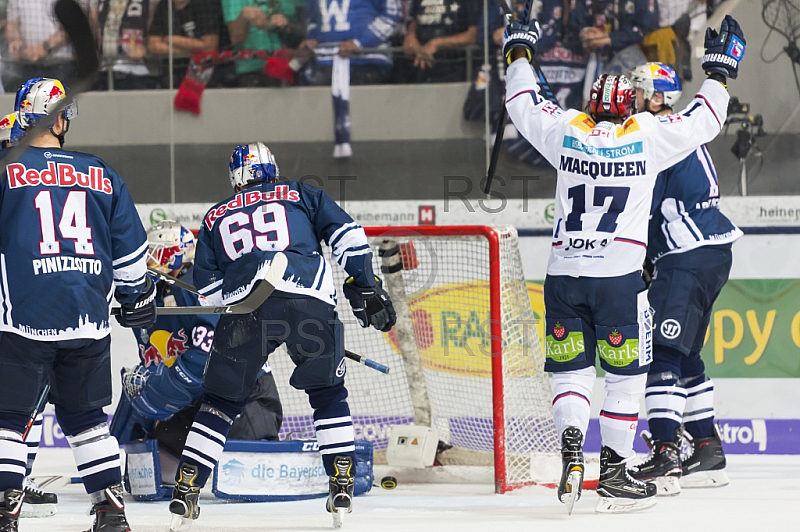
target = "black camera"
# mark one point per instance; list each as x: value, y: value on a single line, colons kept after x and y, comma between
x: 735, y: 107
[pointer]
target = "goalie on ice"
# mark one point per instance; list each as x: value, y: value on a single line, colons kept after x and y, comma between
x: 595, y: 299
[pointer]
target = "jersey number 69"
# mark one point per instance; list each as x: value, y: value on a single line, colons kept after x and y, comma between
x: 265, y: 228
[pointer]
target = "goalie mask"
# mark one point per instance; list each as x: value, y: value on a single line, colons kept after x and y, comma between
x: 37, y: 98
x: 612, y: 97
x: 252, y: 163
x: 171, y: 246
x: 657, y: 77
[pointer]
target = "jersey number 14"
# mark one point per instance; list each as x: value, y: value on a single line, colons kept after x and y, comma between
x: 72, y: 224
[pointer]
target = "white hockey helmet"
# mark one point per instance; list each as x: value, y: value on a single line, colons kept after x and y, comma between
x: 171, y: 246
x: 252, y: 163
x: 37, y: 98
x: 657, y: 77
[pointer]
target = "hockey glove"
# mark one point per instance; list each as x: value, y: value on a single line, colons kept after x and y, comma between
x: 142, y: 312
x: 518, y: 35
x: 725, y: 49
x: 371, y: 305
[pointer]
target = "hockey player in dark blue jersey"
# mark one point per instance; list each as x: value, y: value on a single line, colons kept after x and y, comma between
x: 71, y: 241
x: 236, y: 244
x: 172, y: 356
x: 690, y: 243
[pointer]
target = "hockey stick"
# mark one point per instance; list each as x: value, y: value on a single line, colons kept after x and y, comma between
x: 190, y: 288
x: 37, y: 410
x: 501, y: 120
x: 77, y: 27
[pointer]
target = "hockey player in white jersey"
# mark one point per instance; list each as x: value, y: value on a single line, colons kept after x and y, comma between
x: 595, y: 299
x: 71, y: 241
x: 690, y: 243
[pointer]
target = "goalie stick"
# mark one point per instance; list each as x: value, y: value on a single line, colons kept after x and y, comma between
x: 77, y: 27
x: 368, y: 362
x: 501, y: 120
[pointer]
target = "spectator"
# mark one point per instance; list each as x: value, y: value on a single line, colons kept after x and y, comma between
x: 344, y: 27
x: 262, y: 25
x: 195, y: 28
x: 611, y: 31
x: 122, y: 29
x: 37, y: 45
x: 670, y: 42
x: 441, y: 28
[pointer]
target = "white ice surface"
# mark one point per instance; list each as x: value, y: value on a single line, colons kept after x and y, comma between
x: 764, y: 493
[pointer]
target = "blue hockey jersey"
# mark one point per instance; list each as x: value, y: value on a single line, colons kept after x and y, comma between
x: 685, y: 212
x: 172, y: 336
x: 368, y: 22
x: 240, y: 236
x: 69, y: 234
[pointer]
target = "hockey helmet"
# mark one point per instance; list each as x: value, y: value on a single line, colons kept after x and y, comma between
x: 170, y: 245
x: 37, y: 98
x: 657, y: 77
x: 10, y: 132
x: 612, y: 97
x: 252, y: 162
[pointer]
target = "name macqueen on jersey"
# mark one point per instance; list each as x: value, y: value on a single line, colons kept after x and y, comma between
x: 606, y: 171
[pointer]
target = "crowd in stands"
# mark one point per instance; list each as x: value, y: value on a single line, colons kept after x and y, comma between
x: 387, y: 41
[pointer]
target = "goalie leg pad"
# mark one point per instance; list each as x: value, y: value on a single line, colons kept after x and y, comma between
x: 572, y: 397
x: 168, y: 390
x: 620, y: 414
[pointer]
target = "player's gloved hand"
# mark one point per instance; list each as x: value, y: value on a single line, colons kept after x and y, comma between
x: 725, y: 49
x: 142, y: 312
x: 371, y: 305
x: 519, y: 35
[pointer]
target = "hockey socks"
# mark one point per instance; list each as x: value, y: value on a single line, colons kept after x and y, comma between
x: 333, y: 424
x: 207, y: 437
x: 13, y: 451
x: 698, y: 417
x: 620, y: 414
x: 32, y: 442
x: 572, y: 396
x: 96, y: 455
x: 665, y: 397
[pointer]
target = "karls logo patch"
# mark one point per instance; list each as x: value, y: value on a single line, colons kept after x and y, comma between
x: 559, y: 331
x: 615, y: 338
x: 670, y: 329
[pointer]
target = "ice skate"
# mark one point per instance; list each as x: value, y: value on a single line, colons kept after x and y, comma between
x: 618, y: 491
x: 185, y: 498
x: 662, y: 467
x: 570, y: 487
x: 109, y: 515
x: 38, y: 503
x: 340, y: 497
x: 703, y: 462
x: 10, y: 509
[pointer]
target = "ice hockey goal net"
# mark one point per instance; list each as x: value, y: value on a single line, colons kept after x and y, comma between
x: 465, y: 356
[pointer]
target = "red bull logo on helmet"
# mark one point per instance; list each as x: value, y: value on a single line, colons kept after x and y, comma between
x: 57, y: 91
x: 7, y: 122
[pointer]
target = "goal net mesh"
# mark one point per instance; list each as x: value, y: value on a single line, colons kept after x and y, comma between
x: 440, y: 354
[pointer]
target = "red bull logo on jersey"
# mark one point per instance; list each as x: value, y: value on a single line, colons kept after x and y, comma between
x: 164, y: 347
x: 58, y: 175
x: 250, y: 198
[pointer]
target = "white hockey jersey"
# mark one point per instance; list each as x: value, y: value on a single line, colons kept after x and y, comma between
x: 606, y: 172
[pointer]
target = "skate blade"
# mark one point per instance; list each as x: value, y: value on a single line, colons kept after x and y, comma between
x: 705, y: 479
x: 338, y: 517
x: 178, y: 523
x: 573, y: 485
x: 37, y: 510
x: 620, y: 505
x: 667, y: 486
